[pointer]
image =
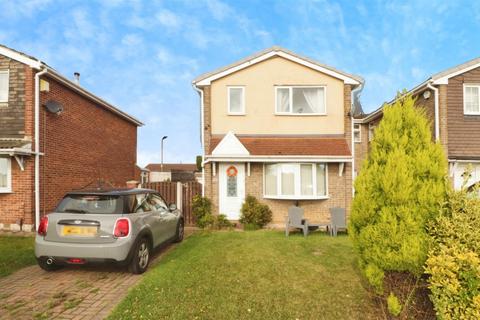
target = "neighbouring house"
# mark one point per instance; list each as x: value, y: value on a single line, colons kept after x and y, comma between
x: 451, y: 100
x: 174, y: 172
x: 55, y: 136
x: 278, y: 126
x: 142, y: 174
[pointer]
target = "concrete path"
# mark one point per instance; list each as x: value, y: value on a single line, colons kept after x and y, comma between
x: 69, y: 293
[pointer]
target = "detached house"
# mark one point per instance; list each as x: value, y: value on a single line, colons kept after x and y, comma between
x: 278, y: 126
x: 55, y: 136
x: 451, y: 100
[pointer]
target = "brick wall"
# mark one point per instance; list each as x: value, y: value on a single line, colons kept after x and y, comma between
x: 81, y: 145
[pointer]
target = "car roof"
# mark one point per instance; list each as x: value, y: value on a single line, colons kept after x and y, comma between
x: 111, y: 192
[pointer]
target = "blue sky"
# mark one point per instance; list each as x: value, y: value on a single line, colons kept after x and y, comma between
x: 142, y: 55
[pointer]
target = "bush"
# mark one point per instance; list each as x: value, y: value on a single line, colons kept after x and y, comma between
x: 394, y: 306
x: 222, y: 222
x: 254, y: 213
x: 454, y: 261
x: 400, y: 187
x: 202, y: 211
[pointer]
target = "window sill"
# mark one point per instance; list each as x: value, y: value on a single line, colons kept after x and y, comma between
x: 471, y: 114
x: 236, y: 114
x: 296, y: 197
x: 6, y: 191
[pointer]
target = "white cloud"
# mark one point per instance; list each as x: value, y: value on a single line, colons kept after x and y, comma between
x: 168, y: 19
x: 219, y: 10
x: 132, y: 39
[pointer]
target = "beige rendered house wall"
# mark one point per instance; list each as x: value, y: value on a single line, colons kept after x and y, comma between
x: 260, y: 81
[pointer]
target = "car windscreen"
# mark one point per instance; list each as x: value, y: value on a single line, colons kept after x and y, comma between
x: 97, y: 204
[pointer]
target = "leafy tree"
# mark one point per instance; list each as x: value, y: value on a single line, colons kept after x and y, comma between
x: 198, y: 161
x: 401, y: 186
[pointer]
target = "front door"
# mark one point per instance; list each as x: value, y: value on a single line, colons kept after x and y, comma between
x: 231, y: 189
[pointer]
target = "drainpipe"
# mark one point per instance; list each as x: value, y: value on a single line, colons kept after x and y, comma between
x: 202, y: 136
x: 355, y: 92
x: 437, y: 116
x: 37, y: 146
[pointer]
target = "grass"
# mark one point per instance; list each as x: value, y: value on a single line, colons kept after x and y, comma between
x: 15, y: 253
x: 252, y: 275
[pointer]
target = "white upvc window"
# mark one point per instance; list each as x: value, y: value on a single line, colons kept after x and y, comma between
x: 357, y: 132
x: 300, y: 100
x: 296, y: 181
x: 471, y: 99
x: 4, y: 85
x: 236, y: 100
x: 5, y: 175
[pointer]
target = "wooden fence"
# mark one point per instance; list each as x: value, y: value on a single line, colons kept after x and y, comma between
x: 175, y: 192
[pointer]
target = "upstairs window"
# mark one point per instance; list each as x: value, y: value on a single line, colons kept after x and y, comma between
x: 4, y: 84
x: 236, y: 100
x: 471, y: 99
x: 300, y: 100
x: 357, y: 133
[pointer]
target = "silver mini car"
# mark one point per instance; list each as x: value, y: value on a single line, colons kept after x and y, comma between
x: 120, y: 225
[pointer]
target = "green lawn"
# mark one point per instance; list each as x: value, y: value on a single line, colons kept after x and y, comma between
x: 15, y: 253
x: 252, y: 275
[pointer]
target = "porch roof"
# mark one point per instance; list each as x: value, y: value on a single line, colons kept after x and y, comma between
x: 291, y: 146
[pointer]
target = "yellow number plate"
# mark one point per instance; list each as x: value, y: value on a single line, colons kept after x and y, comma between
x: 79, y: 231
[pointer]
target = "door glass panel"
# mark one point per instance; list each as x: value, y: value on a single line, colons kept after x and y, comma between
x: 231, y: 186
x: 158, y: 204
x: 321, y: 180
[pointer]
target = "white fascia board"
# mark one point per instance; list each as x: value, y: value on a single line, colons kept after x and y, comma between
x: 278, y: 159
x: 285, y: 55
x: 20, y: 58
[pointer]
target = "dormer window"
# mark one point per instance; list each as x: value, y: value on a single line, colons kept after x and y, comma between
x: 471, y: 99
x: 4, y: 84
x: 236, y: 100
x: 300, y: 100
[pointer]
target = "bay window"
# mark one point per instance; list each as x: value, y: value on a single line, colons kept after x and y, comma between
x: 300, y: 100
x: 296, y: 181
x: 5, y: 175
x: 471, y: 100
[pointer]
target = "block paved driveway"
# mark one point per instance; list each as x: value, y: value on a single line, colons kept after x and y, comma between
x: 69, y: 293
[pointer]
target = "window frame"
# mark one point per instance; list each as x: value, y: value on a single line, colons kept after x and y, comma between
x: 8, y: 188
x: 233, y: 113
x: 297, y: 180
x: 470, y: 113
x: 359, y: 130
x: 290, y: 88
x: 7, y: 72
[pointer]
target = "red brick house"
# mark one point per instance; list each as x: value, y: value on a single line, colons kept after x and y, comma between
x: 451, y: 100
x: 55, y: 136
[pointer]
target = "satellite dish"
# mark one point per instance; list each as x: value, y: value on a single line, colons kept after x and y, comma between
x: 54, y: 107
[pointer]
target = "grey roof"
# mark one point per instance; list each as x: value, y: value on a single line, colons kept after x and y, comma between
x: 13, y: 143
x: 454, y: 69
x: 275, y: 48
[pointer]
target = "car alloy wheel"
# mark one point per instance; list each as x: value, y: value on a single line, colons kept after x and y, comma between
x: 143, y: 255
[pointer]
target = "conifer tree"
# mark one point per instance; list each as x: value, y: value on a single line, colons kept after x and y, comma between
x: 401, y: 185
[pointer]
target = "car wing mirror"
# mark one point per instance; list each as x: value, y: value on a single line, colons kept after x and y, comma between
x: 172, y: 207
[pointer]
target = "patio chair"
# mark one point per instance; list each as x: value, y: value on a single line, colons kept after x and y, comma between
x: 295, y: 220
x: 338, y: 220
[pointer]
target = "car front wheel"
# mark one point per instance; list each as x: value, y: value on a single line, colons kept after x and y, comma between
x: 141, y: 257
x: 180, y: 231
